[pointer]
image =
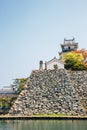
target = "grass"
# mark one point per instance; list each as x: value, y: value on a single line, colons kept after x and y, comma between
x: 50, y: 115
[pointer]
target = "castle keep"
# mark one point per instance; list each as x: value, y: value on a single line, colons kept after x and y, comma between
x: 69, y: 45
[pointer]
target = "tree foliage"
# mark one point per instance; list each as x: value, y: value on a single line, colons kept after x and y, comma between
x: 18, y: 84
x: 74, y: 60
x: 6, y: 103
x: 83, y: 52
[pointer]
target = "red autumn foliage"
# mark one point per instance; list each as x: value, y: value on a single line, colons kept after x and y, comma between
x: 83, y: 52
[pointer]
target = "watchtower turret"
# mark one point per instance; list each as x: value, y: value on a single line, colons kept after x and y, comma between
x: 69, y: 45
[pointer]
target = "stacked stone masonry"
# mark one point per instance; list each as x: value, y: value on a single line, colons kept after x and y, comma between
x: 79, y: 81
x: 52, y: 92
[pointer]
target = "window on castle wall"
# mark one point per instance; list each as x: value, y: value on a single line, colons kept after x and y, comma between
x: 69, y: 47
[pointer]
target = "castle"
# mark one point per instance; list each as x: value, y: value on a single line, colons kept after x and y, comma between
x: 53, y: 92
x: 67, y: 46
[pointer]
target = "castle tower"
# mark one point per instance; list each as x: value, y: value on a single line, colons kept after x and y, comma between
x: 69, y: 45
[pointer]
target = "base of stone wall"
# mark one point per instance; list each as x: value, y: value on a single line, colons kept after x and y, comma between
x: 43, y: 117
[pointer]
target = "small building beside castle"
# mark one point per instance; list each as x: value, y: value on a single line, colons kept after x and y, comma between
x: 50, y: 64
x: 67, y: 46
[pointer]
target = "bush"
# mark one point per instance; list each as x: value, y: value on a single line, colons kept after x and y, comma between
x: 74, y: 61
x: 55, y: 66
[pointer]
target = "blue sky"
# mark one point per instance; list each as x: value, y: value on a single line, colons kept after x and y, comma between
x: 32, y: 30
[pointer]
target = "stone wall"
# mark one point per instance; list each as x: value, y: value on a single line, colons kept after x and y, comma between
x: 79, y: 82
x: 48, y: 92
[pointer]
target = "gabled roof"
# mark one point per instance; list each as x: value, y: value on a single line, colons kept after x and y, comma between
x: 55, y: 60
x: 70, y: 42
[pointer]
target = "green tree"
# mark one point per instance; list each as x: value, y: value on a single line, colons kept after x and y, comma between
x: 79, y: 66
x: 74, y: 61
x: 18, y: 84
